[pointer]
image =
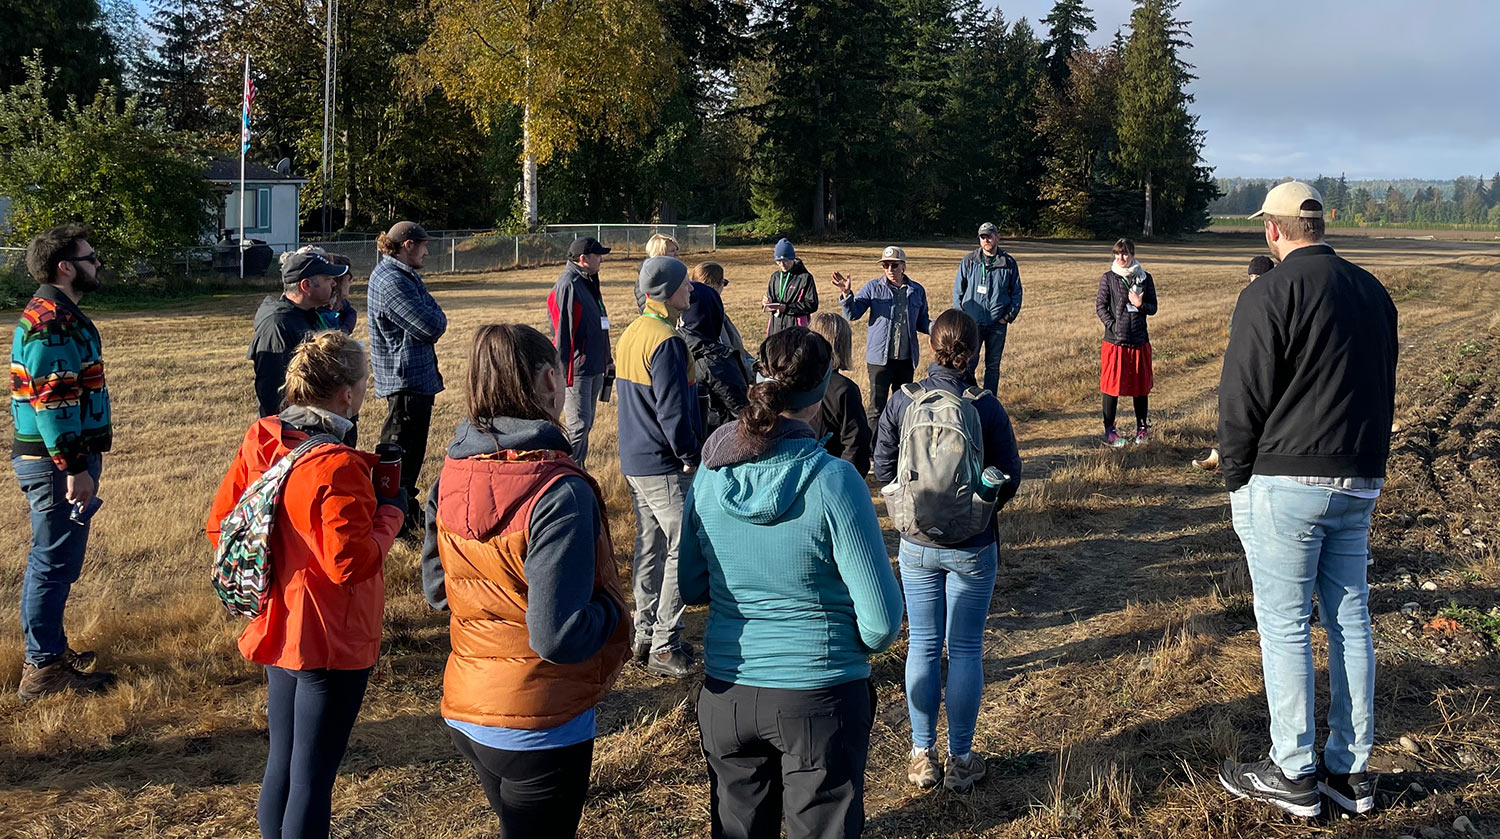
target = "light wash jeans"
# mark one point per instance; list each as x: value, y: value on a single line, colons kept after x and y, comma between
x: 947, y: 594
x: 1299, y: 540
x: 658, y: 530
x: 580, y: 404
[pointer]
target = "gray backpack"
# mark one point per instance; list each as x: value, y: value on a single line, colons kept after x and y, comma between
x: 941, y: 456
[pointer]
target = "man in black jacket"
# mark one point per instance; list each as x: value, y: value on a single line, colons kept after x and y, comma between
x: 282, y: 322
x: 580, y: 330
x: 1305, y: 407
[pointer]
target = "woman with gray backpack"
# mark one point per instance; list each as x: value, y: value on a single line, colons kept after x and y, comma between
x: 300, y: 535
x: 947, y: 455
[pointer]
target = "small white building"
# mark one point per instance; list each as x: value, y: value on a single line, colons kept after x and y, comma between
x: 273, y: 209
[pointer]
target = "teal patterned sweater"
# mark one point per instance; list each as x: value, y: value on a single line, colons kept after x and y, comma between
x: 58, y: 401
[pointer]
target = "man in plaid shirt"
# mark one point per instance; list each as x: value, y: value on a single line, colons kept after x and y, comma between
x: 405, y: 324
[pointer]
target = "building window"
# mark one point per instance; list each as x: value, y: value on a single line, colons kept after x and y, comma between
x: 257, y: 206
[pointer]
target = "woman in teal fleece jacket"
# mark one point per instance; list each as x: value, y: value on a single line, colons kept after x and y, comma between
x: 780, y: 538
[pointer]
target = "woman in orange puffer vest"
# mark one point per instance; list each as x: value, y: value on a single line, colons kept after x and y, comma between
x: 519, y: 550
x: 319, y: 635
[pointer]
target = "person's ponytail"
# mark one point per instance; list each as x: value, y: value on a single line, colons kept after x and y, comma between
x: 793, y: 361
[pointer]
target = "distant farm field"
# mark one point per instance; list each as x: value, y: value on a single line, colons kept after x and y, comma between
x: 1121, y: 656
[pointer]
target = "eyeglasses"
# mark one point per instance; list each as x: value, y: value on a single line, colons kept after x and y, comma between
x: 89, y: 257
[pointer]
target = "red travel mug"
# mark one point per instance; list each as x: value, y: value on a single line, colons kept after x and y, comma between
x: 387, y: 473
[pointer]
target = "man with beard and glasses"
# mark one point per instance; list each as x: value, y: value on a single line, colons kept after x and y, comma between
x: 59, y: 407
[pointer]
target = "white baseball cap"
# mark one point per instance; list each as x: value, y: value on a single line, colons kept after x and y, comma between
x: 893, y: 254
x: 1290, y: 200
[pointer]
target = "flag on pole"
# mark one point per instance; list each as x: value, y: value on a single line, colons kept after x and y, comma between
x: 245, y: 111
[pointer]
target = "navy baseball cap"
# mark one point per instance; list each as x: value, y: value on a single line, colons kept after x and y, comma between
x: 300, y: 266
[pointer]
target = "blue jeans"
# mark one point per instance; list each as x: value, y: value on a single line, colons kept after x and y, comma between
x: 947, y: 594
x: 992, y: 338
x: 1299, y: 540
x: 56, y: 556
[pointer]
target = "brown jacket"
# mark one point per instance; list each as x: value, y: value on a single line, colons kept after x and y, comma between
x: 494, y: 677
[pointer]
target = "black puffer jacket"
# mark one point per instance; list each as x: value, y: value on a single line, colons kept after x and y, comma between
x: 1112, y: 304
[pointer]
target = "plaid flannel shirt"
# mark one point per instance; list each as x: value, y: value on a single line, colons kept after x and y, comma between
x: 405, y: 324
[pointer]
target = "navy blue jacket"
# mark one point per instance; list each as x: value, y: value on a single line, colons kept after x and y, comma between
x: 576, y: 310
x: 989, y: 296
x: 999, y: 440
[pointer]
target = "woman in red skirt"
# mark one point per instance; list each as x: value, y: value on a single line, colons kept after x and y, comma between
x: 1127, y: 296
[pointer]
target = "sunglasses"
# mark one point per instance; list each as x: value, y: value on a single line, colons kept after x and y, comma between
x: 986, y: 236
x: 92, y: 257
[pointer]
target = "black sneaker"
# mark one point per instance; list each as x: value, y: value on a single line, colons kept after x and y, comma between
x: 1263, y: 781
x: 1354, y: 792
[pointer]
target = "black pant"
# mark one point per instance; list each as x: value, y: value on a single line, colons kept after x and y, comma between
x: 310, y: 714
x: 407, y: 423
x: 535, y: 793
x: 776, y: 754
x: 884, y: 380
x: 1112, y: 405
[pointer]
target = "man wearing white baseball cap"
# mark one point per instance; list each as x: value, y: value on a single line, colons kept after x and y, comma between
x: 898, y: 311
x: 1305, y: 407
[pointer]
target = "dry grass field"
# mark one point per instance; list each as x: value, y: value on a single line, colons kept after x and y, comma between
x: 1121, y: 655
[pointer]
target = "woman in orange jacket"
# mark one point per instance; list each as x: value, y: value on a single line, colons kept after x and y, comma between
x: 518, y: 549
x: 319, y: 635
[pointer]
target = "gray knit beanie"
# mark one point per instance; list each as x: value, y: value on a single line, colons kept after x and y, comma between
x: 660, y: 277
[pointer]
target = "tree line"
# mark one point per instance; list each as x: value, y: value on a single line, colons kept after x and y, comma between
x: 1464, y: 200
x: 828, y: 117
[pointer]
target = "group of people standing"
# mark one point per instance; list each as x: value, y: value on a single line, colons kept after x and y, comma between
x: 767, y: 518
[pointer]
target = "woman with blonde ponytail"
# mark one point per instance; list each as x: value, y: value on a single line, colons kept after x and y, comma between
x: 319, y: 633
x: 781, y: 540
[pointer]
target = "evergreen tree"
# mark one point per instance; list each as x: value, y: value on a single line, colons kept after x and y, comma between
x: 74, y: 41
x: 1069, y: 25
x: 1160, y: 143
x: 172, y: 73
x: 1078, y: 127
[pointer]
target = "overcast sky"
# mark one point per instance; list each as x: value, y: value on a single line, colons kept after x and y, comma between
x: 1371, y: 88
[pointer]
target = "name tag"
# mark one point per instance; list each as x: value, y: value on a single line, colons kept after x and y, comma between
x: 984, y: 289
x: 604, y: 324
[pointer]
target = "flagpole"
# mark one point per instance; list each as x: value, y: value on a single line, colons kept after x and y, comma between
x: 244, y: 147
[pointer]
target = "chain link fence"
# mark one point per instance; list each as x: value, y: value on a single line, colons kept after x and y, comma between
x: 471, y: 252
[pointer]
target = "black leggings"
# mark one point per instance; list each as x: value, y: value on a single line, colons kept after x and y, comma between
x: 1112, y: 406
x: 310, y: 714
x: 535, y: 793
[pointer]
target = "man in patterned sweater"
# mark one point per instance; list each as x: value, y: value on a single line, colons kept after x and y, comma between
x: 60, y: 409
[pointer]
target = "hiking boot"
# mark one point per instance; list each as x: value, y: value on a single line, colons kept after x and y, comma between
x: 1113, y: 439
x: 1140, y: 434
x: 924, y: 770
x: 1263, y: 781
x: 1354, y: 792
x: 960, y: 774
x: 674, y: 664
x: 83, y: 661
x: 1210, y: 463
x: 60, y: 677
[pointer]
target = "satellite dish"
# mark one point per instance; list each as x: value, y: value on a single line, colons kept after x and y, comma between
x: 284, y: 167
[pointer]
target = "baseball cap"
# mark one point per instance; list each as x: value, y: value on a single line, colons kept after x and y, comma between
x: 585, y: 245
x: 406, y: 231
x: 893, y: 254
x: 1289, y: 201
x: 989, y: 229
x: 299, y: 266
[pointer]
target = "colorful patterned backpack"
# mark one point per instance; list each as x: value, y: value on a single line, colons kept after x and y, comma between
x: 242, y: 564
